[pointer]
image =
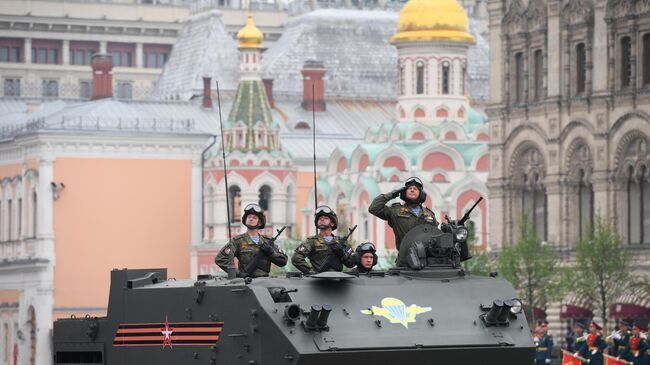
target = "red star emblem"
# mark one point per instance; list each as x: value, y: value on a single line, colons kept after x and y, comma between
x: 167, y: 334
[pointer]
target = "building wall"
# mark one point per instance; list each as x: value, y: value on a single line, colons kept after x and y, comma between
x: 146, y: 205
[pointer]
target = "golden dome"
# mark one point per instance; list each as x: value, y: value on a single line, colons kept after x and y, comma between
x: 249, y: 36
x: 432, y: 20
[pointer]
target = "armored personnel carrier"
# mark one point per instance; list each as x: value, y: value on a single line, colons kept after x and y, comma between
x: 425, y: 311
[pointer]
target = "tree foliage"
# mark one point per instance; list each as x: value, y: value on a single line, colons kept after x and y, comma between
x: 480, y: 263
x: 601, y: 272
x: 531, y: 266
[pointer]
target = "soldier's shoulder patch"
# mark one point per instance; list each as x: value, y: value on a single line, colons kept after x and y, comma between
x: 227, y: 250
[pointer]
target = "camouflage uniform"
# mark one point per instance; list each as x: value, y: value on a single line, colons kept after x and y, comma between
x: 399, y: 216
x: 245, y: 250
x: 318, y: 251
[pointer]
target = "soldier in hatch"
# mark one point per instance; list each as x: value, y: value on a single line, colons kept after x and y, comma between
x: 326, y: 252
x: 403, y: 217
x: 254, y: 251
x: 365, y: 258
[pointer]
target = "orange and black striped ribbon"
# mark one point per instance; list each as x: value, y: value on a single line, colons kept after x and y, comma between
x: 183, y: 334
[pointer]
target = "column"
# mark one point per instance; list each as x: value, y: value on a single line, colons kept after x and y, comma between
x: 197, y: 198
x: 139, y: 56
x: 27, y: 52
x: 45, y: 211
x: 103, y: 47
x: 66, y: 52
x: 554, y: 50
x: 495, y: 10
x: 43, y: 306
x: 599, y: 58
x: 554, y: 209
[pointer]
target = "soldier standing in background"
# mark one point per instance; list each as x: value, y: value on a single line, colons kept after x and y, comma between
x: 595, y: 344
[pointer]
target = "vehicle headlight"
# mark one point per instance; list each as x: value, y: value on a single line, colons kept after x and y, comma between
x: 517, y: 306
x: 461, y: 234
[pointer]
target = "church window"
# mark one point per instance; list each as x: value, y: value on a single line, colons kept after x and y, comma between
x: 419, y: 78
x: 234, y: 200
x: 463, y: 81
x: 402, y: 80
x: 626, y: 62
x: 581, y: 69
x: 533, y: 204
x: 19, y: 218
x: 519, y: 77
x: 34, y: 215
x: 265, y: 199
x: 646, y: 59
x: 9, y: 221
x: 445, y: 78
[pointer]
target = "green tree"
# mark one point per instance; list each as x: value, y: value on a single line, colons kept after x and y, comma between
x: 601, y: 271
x: 480, y: 263
x: 531, y: 267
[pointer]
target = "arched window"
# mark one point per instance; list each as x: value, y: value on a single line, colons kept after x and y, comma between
x: 234, y: 200
x: 445, y: 78
x: 646, y: 59
x: 581, y: 69
x: 265, y: 200
x: 529, y: 172
x: 538, y: 74
x: 519, y: 77
x: 585, y: 205
x: 9, y: 220
x: 638, y: 206
x: 419, y: 78
x: 34, y: 214
x: 402, y: 80
x: 626, y: 62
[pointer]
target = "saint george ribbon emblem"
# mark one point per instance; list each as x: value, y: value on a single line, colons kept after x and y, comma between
x: 396, y: 311
x: 167, y: 334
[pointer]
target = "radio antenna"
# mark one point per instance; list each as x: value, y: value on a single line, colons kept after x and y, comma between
x: 231, y: 255
x: 313, y: 127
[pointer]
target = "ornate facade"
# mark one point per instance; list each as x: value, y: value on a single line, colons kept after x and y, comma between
x: 570, y: 120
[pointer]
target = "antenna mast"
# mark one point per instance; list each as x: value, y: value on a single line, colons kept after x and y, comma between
x: 231, y: 256
x: 313, y: 127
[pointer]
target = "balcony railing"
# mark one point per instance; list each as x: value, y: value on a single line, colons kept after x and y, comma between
x: 18, y: 250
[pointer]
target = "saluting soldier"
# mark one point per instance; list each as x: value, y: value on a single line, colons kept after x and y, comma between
x: 403, y: 217
x: 595, y: 344
x: 254, y: 251
x: 325, y: 251
x: 544, y: 345
x: 621, y: 337
x: 636, y: 348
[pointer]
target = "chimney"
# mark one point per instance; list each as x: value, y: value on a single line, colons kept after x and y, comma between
x: 312, y: 74
x: 207, y: 99
x: 102, y: 76
x: 268, y: 86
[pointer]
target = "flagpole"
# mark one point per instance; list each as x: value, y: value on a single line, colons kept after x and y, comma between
x: 575, y: 356
x: 618, y: 360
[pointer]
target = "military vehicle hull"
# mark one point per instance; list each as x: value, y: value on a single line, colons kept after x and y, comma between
x: 407, y: 317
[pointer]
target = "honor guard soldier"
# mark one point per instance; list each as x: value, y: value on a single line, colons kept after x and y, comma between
x: 621, y: 337
x: 595, y: 344
x: 544, y: 345
x: 325, y: 251
x: 254, y: 251
x: 403, y: 217
x: 636, y: 348
x: 365, y: 258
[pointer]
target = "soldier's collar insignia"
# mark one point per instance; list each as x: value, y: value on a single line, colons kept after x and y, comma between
x: 396, y: 311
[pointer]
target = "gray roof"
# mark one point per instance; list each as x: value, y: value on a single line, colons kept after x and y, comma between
x: 353, y: 46
x: 343, y: 123
x: 112, y: 116
x: 203, y: 48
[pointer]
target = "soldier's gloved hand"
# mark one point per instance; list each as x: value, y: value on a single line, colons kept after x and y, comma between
x: 338, y: 249
x: 266, y: 249
x: 395, y: 193
x: 242, y: 274
x: 548, y: 361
